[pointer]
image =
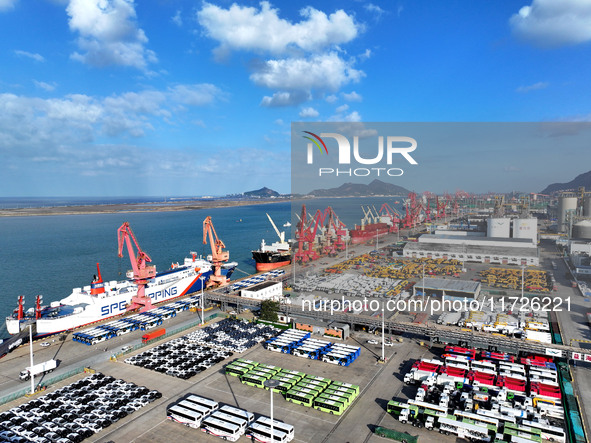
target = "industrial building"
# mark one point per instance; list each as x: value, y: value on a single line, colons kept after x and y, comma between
x: 450, y: 289
x: 507, y: 241
x: 515, y: 251
x: 267, y: 290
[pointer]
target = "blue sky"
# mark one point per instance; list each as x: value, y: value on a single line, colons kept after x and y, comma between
x: 115, y: 97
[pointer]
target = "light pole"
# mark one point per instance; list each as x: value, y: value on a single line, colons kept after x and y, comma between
x: 202, y: 278
x: 270, y: 384
x: 383, y: 334
x: 522, y: 279
x: 423, y: 283
x: 31, y: 358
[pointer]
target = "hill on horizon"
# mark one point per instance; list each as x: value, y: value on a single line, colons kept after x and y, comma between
x: 263, y: 192
x: 376, y: 187
x: 583, y: 179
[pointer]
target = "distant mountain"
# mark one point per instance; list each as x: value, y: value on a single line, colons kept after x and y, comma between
x: 376, y: 187
x: 580, y: 180
x: 262, y: 193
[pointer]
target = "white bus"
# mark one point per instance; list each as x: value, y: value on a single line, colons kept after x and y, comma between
x: 238, y: 421
x: 222, y: 429
x: 185, y: 416
x: 281, y: 426
x: 262, y: 433
x: 236, y: 412
x: 194, y: 407
x: 204, y: 402
x: 549, y: 432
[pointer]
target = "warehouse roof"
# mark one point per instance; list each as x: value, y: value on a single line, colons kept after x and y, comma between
x: 496, y: 251
x: 449, y: 285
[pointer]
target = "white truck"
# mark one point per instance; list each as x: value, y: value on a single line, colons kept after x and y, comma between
x: 417, y: 375
x: 38, y: 369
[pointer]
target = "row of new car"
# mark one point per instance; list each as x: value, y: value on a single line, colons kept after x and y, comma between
x: 179, y: 358
x: 233, y: 335
x: 74, y: 412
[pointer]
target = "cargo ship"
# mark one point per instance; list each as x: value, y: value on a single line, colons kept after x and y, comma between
x: 272, y: 256
x: 365, y: 233
x: 101, y: 300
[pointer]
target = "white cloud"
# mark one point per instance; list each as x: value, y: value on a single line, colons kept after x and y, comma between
x: 551, y: 23
x: 196, y: 95
x: 252, y: 29
x: 30, y: 123
x: 319, y: 72
x: 45, y: 86
x: 33, y: 56
x: 177, y: 19
x: 370, y: 7
x: 352, y: 96
x: 109, y: 34
x: 342, y: 108
x: 533, y: 87
x: 340, y: 117
x: 331, y: 98
x: 5, y: 5
x: 309, y: 113
x: 284, y: 98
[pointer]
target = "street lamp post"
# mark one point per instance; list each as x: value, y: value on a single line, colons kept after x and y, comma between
x: 522, y: 279
x: 202, y: 302
x: 270, y: 384
x: 423, y: 282
x: 383, y: 334
x: 31, y: 357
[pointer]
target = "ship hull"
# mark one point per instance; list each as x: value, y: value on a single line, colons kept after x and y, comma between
x: 369, y: 232
x: 82, y: 308
x: 265, y: 261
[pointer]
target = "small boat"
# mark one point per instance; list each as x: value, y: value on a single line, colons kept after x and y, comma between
x: 286, y: 224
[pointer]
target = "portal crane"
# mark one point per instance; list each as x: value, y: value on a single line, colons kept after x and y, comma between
x: 218, y: 255
x: 140, y: 272
x: 394, y: 216
x: 335, y: 233
x: 305, y: 236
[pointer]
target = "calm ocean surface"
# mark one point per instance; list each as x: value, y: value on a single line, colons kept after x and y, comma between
x: 50, y: 255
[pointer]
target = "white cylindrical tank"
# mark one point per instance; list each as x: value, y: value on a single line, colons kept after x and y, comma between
x: 582, y: 230
x: 498, y: 227
x: 587, y: 206
x: 565, y: 204
x: 526, y: 228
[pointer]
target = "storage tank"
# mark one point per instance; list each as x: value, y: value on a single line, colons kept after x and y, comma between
x: 498, y: 227
x: 582, y: 230
x: 526, y: 228
x: 565, y: 204
x: 587, y: 206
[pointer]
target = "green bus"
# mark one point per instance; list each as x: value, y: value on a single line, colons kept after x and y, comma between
x: 253, y: 380
x: 245, y: 361
x: 396, y: 407
x: 262, y: 372
x: 238, y: 369
x: 327, y: 381
x: 270, y: 367
x: 330, y: 406
x: 346, y: 385
x: 294, y: 373
x: 317, y: 384
x: 298, y: 397
x: 337, y: 398
x: 344, y: 392
x: 286, y: 377
x: 283, y: 386
x: 312, y: 391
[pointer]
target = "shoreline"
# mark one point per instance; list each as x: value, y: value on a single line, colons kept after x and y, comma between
x: 130, y: 208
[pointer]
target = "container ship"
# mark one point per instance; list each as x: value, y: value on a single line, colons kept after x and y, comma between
x: 101, y: 300
x: 272, y: 256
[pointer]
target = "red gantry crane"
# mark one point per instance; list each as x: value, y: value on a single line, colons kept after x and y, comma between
x: 305, y: 236
x: 140, y: 272
x: 394, y: 215
x: 218, y: 255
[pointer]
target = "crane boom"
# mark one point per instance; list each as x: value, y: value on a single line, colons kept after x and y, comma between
x: 281, y: 235
x: 140, y: 273
x: 218, y: 255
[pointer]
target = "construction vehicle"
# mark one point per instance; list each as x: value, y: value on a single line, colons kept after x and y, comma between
x: 38, y: 369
